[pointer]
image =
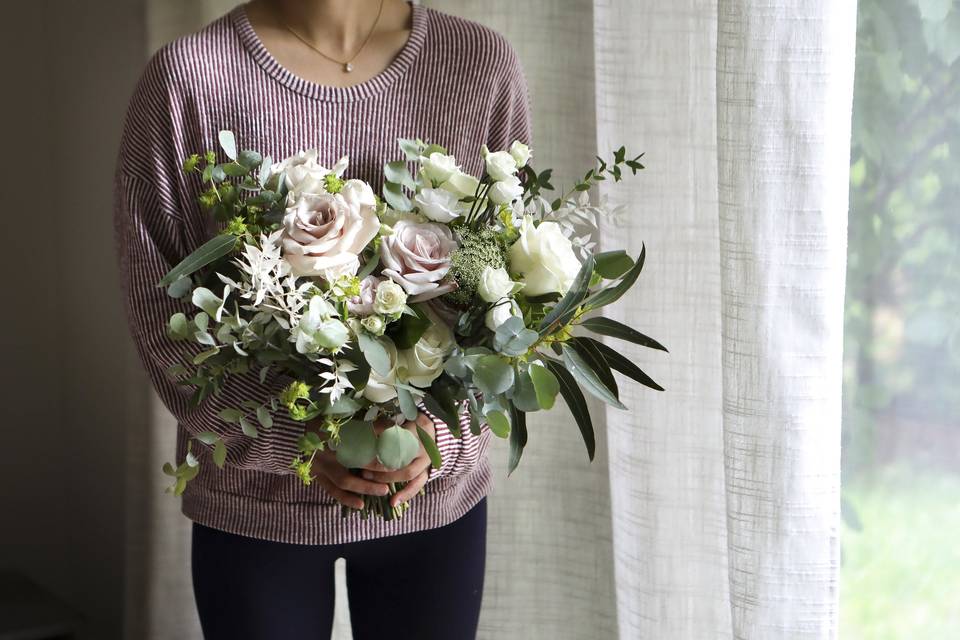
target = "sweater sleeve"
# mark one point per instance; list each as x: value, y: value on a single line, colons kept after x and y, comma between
x: 150, y: 223
x: 509, y: 120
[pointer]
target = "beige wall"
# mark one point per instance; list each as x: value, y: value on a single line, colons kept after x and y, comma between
x: 69, y: 69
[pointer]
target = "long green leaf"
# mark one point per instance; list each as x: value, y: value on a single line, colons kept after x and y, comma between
x: 577, y: 404
x: 574, y: 296
x: 614, y: 292
x: 624, y: 365
x: 518, y: 437
x: 443, y: 411
x: 430, y: 446
x: 614, y: 329
x: 213, y: 249
x: 593, y: 373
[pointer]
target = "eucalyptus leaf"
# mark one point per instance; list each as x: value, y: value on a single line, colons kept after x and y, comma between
x: 545, y: 384
x: 613, y: 264
x: 249, y: 159
x: 408, y: 405
x: 375, y: 352
x: 228, y: 142
x: 219, y: 453
x: 207, y: 437
x: 395, y: 197
x: 264, y: 417
x: 206, y: 300
x: 492, y: 375
x: 397, y: 173
x: 524, y: 394
x: 248, y: 428
x: 499, y: 424
x: 179, y: 287
x: 397, y: 447
x: 358, y: 444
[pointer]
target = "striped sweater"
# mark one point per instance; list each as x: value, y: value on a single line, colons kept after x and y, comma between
x: 455, y: 83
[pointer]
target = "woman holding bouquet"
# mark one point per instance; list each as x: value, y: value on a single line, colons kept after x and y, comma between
x: 341, y: 77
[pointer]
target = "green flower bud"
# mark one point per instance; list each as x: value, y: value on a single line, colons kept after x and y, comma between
x: 190, y: 164
x: 374, y: 324
x: 332, y: 183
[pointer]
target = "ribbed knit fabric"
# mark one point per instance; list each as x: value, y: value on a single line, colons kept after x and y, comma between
x: 455, y: 83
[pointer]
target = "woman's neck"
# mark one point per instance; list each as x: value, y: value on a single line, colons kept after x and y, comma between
x: 343, y: 24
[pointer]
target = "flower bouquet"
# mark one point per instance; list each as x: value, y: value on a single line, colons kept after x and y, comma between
x: 455, y: 294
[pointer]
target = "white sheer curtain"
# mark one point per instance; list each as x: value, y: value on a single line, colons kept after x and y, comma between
x: 711, y: 510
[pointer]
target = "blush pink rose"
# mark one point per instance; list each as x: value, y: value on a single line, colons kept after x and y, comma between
x: 417, y: 257
x: 362, y: 305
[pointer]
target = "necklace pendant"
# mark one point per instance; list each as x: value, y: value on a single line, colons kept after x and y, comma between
x: 347, y: 67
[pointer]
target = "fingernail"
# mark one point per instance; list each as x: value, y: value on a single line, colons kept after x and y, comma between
x: 368, y: 475
x: 384, y: 490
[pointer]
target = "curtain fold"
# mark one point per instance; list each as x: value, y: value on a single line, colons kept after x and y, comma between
x: 711, y: 510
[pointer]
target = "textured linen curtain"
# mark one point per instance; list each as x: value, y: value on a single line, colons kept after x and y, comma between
x: 711, y: 510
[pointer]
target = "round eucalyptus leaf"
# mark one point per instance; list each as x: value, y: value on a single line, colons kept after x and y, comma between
x: 492, y: 374
x: 498, y: 424
x: 358, y: 444
x: 397, y: 447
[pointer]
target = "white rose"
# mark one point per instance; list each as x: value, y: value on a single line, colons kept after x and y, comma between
x: 390, y: 298
x: 303, y: 173
x: 318, y: 330
x: 495, y: 284
x: 440, y: 205
x: 422, y: 364
x: 357, y: 194
x: 520, y: 152
x: 500, y: 313
x: 461, y: 184
x: 374, y: 324
x: 500, y: 165
x: 381, y: 388
x: 545, y: 258
x: 324, y: 233
x: 438, y: 167
x: 505, y: 191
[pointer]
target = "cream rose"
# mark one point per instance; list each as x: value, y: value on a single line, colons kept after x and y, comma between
x: 324, y: 233
x: 495, y: 284
x: 390, y: 298
x: 545, y: 258
x: 417, y: 257
x: 503, y: 310
x: 440, y: 205
x: 421, y: 364
x: 303, y: 173
x: 461, y: 184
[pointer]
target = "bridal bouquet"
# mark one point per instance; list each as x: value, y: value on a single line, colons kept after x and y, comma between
x: 451, y: 292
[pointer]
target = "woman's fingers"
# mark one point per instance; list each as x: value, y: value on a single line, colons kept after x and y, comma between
x: 344, y: 479
x: 345, y: 498
x: 410, y: 489
x: 403, y: 474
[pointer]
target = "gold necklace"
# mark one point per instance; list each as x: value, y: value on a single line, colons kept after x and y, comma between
x: 346, y: 64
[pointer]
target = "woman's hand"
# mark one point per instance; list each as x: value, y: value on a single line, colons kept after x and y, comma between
x: 414, y: 474
x: 347, y: 487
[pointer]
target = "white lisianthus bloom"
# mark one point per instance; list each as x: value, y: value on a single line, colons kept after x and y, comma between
x: 381, y: 388
x: 323, y: 234
x: 390, y: 298
x: 495, y: 284
x: 374, y: 324
x: 505, y: 191
x: 303, y: 172
x: 318, y: 330
x: 500, y: 165
x: 545, y: 258
x: 440, y: 205
x: 438, y: 167
x: 421, y: 364
x: 461, y: 184
x: 521, y: 153
x: 500, y: 313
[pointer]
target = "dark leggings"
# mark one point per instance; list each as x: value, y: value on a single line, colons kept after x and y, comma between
x: 423, y: 586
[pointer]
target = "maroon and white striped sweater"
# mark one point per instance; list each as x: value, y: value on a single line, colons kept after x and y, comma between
x: 455, y: 83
